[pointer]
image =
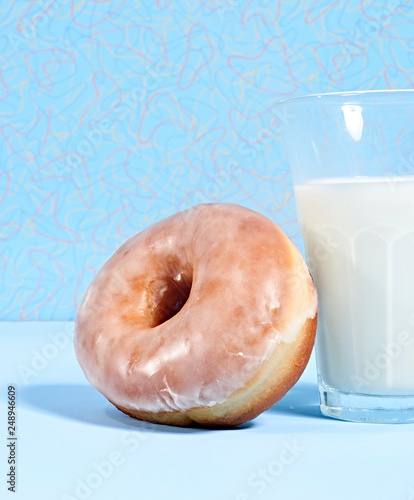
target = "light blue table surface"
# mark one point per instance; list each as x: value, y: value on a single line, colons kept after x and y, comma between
x: 73, y: 444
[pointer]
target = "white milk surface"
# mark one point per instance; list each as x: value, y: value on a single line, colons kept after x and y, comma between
x: 359, y: 243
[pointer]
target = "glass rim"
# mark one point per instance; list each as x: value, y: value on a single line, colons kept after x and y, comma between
x: 362, y: 97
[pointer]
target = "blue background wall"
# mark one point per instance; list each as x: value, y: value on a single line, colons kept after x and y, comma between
x: 115, y: 114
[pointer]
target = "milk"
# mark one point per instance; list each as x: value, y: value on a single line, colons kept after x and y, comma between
x: 359, y: 243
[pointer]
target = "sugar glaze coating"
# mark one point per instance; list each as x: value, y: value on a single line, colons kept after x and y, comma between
x: 187, y: 311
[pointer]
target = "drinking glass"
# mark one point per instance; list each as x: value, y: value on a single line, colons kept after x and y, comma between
x: 351, y: 156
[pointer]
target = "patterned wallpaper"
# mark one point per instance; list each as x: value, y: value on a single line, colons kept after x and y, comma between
x: 115, y: 114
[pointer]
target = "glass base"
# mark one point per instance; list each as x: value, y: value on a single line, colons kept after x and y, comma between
x: 365, y: 407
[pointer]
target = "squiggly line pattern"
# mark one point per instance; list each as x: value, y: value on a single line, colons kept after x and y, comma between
x: 118, y: 113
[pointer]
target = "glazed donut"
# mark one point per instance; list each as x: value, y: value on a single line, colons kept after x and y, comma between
x: 207, y: 317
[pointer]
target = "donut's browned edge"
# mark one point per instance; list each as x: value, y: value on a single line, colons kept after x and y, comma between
x: 278, y: 374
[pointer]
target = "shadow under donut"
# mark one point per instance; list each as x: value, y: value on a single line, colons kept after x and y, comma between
x: 85, y: 404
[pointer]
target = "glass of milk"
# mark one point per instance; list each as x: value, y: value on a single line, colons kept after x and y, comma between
x: 352, y: 162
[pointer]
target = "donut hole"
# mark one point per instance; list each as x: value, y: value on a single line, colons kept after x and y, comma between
x: 171, y: 295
